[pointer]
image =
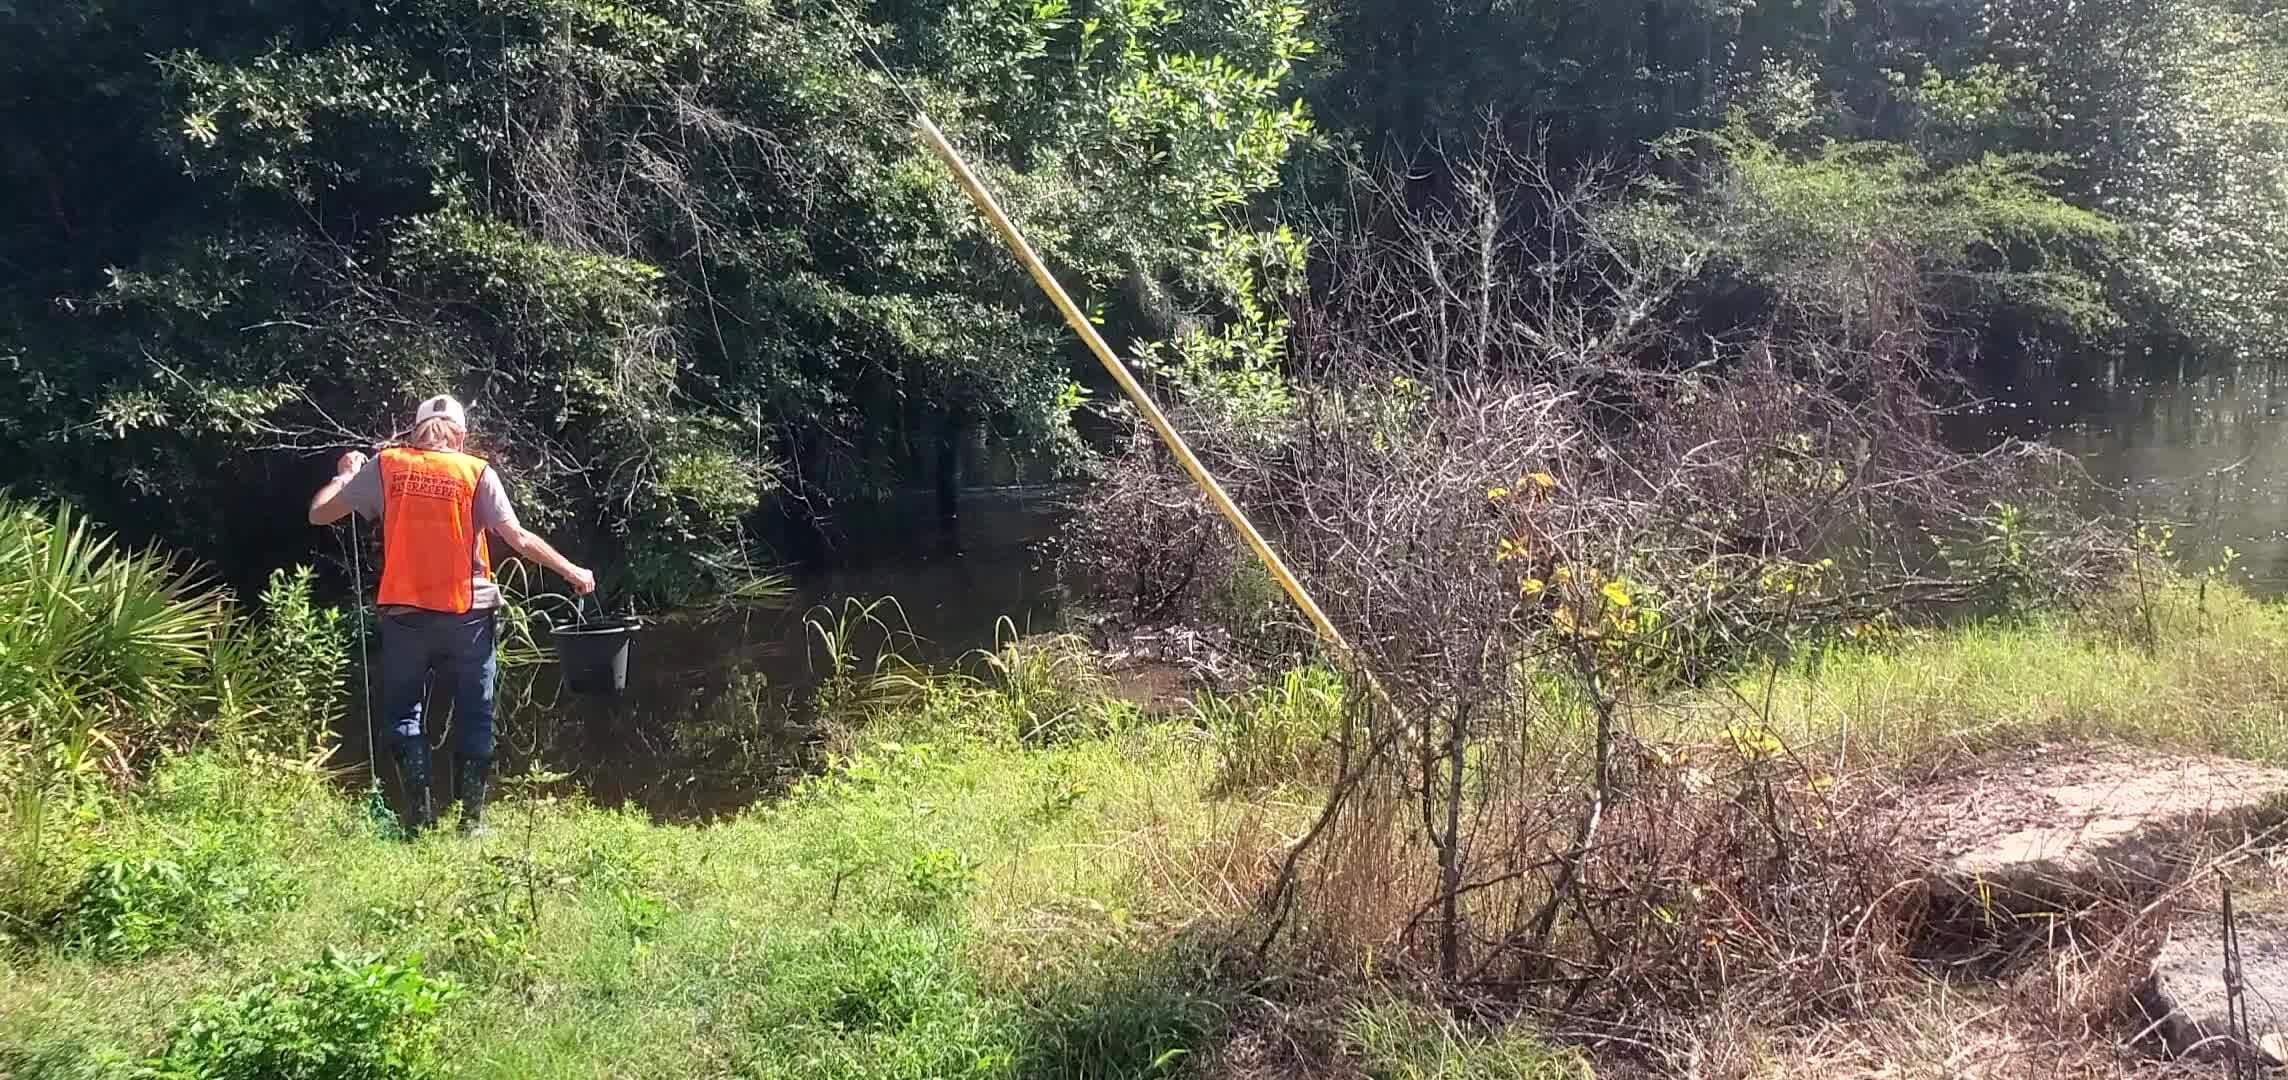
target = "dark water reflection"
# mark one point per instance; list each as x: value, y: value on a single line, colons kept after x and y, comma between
x: 2202, y: 446
x: 713, y: 717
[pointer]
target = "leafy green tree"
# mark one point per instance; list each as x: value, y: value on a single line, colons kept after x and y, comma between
x: 1869, y: 239
x: 2170, y: 116
x: 2163, y: 116
x: 677, y: 252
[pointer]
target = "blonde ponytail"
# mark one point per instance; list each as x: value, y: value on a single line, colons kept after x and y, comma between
x: 436, y: 433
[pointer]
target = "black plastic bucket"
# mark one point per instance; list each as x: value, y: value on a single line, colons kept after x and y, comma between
x: 594, y: 656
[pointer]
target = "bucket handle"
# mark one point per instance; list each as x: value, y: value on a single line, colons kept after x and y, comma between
x: 579, y: 612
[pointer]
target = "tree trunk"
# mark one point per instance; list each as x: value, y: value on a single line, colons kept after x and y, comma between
x: 949, y: 470
x: 1569, y: 870
x: 1450, y: 852
x: 913, y: 413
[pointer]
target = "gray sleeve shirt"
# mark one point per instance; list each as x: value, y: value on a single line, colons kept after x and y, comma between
x: 491, y: 513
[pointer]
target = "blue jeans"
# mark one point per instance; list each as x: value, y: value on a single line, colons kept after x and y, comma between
x: 459, y: 648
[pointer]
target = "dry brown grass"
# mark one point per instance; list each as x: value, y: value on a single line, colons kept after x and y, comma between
x: 2058, y: 1017
x: 1939, y: 1032
x: 1770, y: 921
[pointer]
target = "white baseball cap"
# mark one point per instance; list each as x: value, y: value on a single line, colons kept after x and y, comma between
x: 442, y: 407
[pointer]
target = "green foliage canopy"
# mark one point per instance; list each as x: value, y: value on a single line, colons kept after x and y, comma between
x: 676, y: 252
x: 2167, y: 118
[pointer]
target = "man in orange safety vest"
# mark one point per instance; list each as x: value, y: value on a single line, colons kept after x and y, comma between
x: 438, y: 601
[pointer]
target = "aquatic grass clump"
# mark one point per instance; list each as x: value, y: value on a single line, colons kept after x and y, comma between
x: 1284, y: 732
x: 1051, y: 684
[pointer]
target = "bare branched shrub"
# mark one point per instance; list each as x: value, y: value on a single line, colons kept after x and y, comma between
x: 1149, y: 548
x: 1541, y: 516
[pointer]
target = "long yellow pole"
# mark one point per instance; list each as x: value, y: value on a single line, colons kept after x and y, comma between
x: 1018, y: 246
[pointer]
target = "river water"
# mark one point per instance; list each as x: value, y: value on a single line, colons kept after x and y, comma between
x: 712, y: 717
x: 711, y: 720
x: 2201, y: 447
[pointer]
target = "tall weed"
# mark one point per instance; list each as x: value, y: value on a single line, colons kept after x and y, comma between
x: 277, y: 681
x: 331, y: 1019
x: 848, y: 682
x: 1277, y: 734
x: 137, y: 901
x: 884, y: 1001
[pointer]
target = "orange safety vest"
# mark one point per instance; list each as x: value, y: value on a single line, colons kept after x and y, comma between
x: 428, y: 529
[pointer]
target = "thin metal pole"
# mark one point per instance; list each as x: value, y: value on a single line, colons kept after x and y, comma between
x: 936, y: 141
x: 365, y: 662
x: 2239, y: 1039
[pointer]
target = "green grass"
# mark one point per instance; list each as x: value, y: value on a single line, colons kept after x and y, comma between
x: 1397, y: 1040
x: 2214, y: 680
x: 968, y: 909
x: 958, y: 895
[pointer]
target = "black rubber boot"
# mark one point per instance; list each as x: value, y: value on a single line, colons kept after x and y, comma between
x: 476, y: 777
x: 413, y: 763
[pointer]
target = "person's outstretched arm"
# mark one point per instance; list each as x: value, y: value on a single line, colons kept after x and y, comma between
x: 330, y: 504
x: 494, y: 513
x: 531, y: 546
